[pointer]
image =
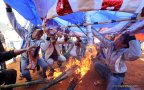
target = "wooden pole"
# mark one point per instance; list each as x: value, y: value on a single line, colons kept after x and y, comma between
x: 22, y: 84
x: 74, y: 82
x: 63, y: 76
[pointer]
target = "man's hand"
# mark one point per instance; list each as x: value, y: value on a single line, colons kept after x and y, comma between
x: 7, y: 6
x: 31, y: 48
x: 46, y: 31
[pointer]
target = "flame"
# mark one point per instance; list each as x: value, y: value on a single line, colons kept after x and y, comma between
x: 57, y: 73
x: 83, y: 65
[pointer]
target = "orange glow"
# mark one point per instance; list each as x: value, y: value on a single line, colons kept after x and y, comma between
x: 82, y: 66
x: 85, y: 63
x: 140, y: 36
x: 57, y: 73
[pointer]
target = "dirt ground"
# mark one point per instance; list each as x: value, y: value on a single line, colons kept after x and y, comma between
x: 134, y: 76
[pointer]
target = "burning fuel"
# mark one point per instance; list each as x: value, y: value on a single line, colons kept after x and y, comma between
x: 83, y: 65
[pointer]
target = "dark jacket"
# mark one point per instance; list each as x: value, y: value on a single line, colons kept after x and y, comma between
x: 1, y: 47
x: 6, y: 55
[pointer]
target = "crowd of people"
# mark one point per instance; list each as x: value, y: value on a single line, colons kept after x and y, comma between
x: 58, y: 46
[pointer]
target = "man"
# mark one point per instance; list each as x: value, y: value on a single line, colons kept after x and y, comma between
x: 124, y: 48
x: 100, y: 46
x: 77, y: 48
x: 8, y: 76
x: 52, y: 49
x: 29, y: 39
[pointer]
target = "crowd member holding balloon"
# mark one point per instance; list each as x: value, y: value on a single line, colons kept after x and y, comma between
x: 125, y: 47
x: 29, y: 39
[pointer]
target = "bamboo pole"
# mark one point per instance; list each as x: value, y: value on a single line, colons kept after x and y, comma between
x: 89, y: 30
x: 104, y: 22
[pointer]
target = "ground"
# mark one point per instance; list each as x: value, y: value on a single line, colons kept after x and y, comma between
x: 134, y: 76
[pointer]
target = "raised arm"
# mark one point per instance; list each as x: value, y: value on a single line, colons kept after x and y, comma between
x: 134, y: 51
x: 17, y: 27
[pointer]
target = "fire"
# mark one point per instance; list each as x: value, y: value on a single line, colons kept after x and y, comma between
x: 57, y: 73
x: 82, y: 66
x: 85, y: 63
